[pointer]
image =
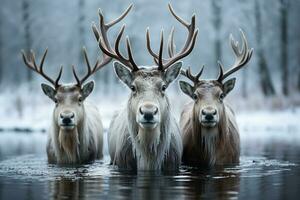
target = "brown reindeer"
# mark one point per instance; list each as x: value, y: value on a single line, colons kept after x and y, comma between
x: 209, y: 131
x: 144, y: 135
x: 76, y: 133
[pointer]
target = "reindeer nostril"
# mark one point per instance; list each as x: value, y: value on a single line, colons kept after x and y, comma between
x: 61, y: 116
x: 209, y: 117
x: 141, y: 111
x: 66, y: 120
x: 215, y: 112
x: 203, y: 112
x: 72, y: 116
x: 148, y: 116
x: 155, y: 111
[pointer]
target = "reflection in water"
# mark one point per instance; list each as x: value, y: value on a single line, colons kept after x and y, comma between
x: 268, y: 170
x: 75, y: 189
x: 148, y: 186
x: 215, y: 184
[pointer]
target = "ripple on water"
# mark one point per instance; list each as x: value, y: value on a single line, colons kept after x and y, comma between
x: 35, y: 167
x: 32, y: 166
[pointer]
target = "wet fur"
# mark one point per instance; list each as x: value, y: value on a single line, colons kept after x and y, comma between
x: 131, y: 148
x: 219, y: 148
x: 83, y: 145
x: 128, y: 151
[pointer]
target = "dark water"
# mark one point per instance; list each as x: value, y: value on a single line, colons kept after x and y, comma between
x: 269, y: 169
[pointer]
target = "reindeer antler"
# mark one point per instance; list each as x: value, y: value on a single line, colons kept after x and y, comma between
x: 31, y: 64
x: 242, y: 57
x: 98, y: 65
x: 195, y: 79
x: 186, y: 50
x: 104, y: 45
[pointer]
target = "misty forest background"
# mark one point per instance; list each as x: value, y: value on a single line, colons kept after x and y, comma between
x: 271, y: 26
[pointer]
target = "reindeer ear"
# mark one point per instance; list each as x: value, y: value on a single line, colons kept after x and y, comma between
x: 172, y: 72
x: 49, y: 91
x: 123, y: 73
x: 228, y: 85
x: 87, y: 89
x: 186, y: 88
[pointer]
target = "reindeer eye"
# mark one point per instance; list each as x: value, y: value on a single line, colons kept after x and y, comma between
x: 132, y: 87
x: 222, y: 96
x: 163, y: 88
x: 80, y: 99
x: 194, y: 96
x: 55, y: 101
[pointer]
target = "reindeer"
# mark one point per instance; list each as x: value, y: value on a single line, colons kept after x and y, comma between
x: 76, y: 133
x: 209, y: 130
x: 144, y: 135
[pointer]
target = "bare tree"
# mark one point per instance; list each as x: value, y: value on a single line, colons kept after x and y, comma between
x: 216, y: 10
x: 1, y: 47
x: 298, y: 84
x: 284, y: 4
x: 81, y: 23
x: 265, y: 78
x: 27, y: 25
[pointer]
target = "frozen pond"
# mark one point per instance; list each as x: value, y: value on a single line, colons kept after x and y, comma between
x: 269, y: 169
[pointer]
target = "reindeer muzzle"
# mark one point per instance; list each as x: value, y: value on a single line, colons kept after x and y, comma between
x: 148, y: 115
x: 67, y: 120
x: 209, y: 116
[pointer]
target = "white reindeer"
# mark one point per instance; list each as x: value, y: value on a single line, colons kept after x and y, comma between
x: 144, y: 135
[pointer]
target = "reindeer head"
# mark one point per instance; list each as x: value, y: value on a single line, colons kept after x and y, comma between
x: 148, y: 101
x: 208, y: 95
x: 69, y: 98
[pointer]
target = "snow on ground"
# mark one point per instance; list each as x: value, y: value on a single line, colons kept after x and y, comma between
x: 35, y: 112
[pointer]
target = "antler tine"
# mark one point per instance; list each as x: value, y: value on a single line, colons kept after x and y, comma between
x: 32, y: 58
x: 171, y: 45
x: 104, y: 27
x: 200, y: 73
x: 31, y: 64
x: 154, y: 55
x: 242, y: 57
x: 177, y: 17
x: 221, y: 71
x: 75, y: 75
x: 190, y: 26
x: 121, y: 17
x: 195, y: 79
x: 59, y: 76
x: 148, y: 42
x: 187, y: 47
x: 90, y: 71
x: 161, y: 47
x: 104, y: 43
x: 130, y: 57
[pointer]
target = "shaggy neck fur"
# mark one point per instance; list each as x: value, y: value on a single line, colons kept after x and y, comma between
x: 209, y: 140
x: 150, y: 146
x: 68, y: 142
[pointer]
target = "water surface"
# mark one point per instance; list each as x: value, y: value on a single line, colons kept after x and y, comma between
x: 268, y: 169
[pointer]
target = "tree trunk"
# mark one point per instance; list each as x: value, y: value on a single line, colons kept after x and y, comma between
x: 264, y: 73
x: 216, y: 10
x: 81, y: 32
x: 1, y: 56
x: 28, y: 39
x: 298, y: 84
x: 265, y: 80
x: 283, y: 46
